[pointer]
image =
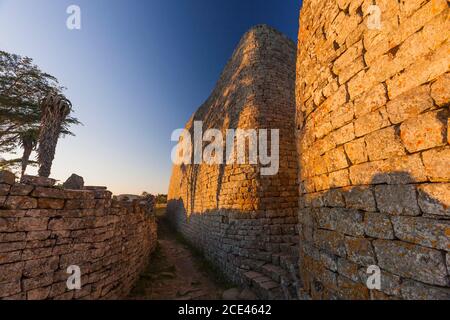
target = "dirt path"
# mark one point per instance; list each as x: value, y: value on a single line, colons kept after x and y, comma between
x: 176, y: 272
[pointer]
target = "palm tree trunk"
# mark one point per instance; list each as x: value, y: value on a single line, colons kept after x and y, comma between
x: 55, y: 109
x: 27, y: 148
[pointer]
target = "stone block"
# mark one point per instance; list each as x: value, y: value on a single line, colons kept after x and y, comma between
x: 425, y: 232
x: 52, y: 204
x: 437, y: 164
x: 360, y: 251
x: 10, y: 289
x: 434, y: 199
x: 413, y: 290
x: 348, y: 269
x: 20, y: 202
x: 378, y: 225
x: 397, y: 200
x: 440, y: 90
x: 11, y: 272
x: 38, y: 181
x: 425, y: 131
x: 344, y: 134
x: 330, y: 241
x: 53, y: 193
x: 336, y: 159
x: 38, y: 294
x: 339, y: 179
x: 371, y: 122
x: 371, y: 100
x: 384, y: 144
x: 7, y: 177
x: 29, y: 224
x: 4, y: 189
x: 410, y: 104
x: 21, y: 189
x: 412, y: 261
x: 356, y: 151
x: 360, y: 198
x: 350, y: 290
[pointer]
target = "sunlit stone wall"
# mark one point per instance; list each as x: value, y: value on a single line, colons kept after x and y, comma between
x: 373, y: 142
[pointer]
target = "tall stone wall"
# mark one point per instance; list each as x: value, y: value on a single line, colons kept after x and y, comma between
x: 243, y: 221
x: 44, y: 230
x: 373, y: 142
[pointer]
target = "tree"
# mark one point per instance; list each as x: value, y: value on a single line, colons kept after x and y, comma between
x: 54, y: 110
x: 28, y: 143
x: 22, y: 88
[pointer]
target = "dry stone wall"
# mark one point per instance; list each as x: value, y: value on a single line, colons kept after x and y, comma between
x: 44, y: 230
x: 243, y: 221
x: 373, y: 142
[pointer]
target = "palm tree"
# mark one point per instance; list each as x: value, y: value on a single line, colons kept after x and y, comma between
x: 54, y: 110
x: 28, y: 142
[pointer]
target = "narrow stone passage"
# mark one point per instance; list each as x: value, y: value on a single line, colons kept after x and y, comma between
x: 177, y: 272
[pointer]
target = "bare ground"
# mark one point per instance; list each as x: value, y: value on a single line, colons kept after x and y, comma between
x: 178, y: 272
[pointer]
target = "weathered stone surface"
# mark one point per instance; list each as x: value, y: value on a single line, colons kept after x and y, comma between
x: 348, y: 269
x: 349, y: 290
x: 4, y: 189
x: 410, y: 104
x: 384, y: 144
x: 424, y: 132
x: 425, y: 232
x: 371, y: 101
x: 413, y: 290
x: 411, y: 261
x: 434, y: 198
x: 53, y: 193
x: 356, y: 151
x: 38, y: 294
x: 350, y: 222
x: 360, y: 198
x: 38, y: 181
x: 360, y: 251
x: 402, y: 170
x: 400, y: 117
x: 436, y: 164
x: 9, y: 289
x: 326, y: 218
x: 74, y: 182
x: 371, y: 122
x: 440, y: 90
x: 46, y: 203
x: 330, y: 241
x: 11, y: 272
x: 344, y: 134
x: 37, y: 245
x: 32, y: 224
x: 336, y: 160
x: 20, y: 202
x: 38, y: 282
x: 7, y: 177
x: 21, y: 189
x: 397, y: 200
x: 378, y: 225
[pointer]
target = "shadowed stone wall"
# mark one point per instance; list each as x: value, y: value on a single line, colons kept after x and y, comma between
x: 44, y: 230
x: 373, y: 142
x: 243, y: 221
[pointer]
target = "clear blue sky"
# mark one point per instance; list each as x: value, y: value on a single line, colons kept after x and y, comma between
x: 135, y: 72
